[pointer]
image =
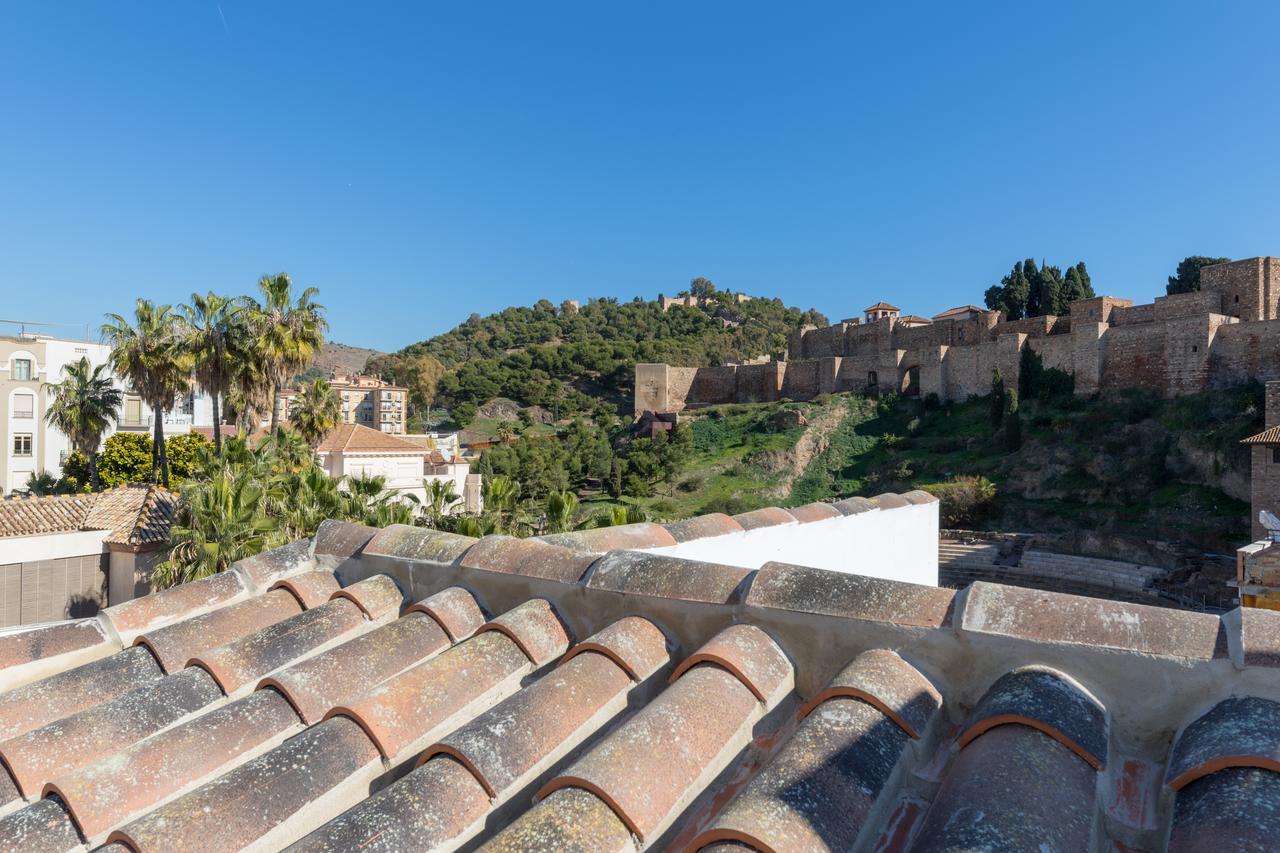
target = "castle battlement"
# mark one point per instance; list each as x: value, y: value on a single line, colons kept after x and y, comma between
x: 1225, y: 333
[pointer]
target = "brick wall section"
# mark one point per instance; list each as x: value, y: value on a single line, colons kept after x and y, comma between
x: 1227, y: 333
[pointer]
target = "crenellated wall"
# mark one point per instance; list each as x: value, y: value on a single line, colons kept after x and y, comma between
x: 1227, y: 332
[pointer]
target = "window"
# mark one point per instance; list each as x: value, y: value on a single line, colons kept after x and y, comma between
x: 1237, y: 297
x: 22, y: 444
x: 871, y: 378
x: 1194, y: 348
x: 1275, y: 455
x: 24, y: 405
x: 22, y: 370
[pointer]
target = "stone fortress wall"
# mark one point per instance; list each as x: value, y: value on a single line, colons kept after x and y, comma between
x: 1226, y: 333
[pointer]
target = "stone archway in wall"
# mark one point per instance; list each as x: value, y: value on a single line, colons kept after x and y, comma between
x: 910, y: 386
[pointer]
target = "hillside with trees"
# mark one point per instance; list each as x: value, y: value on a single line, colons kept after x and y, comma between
x: 574, y: 360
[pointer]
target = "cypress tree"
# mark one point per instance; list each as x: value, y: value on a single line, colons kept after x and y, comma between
x: 998, y: 401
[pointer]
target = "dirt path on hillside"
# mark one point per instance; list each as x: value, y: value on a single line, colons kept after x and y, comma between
x: 790, y: 464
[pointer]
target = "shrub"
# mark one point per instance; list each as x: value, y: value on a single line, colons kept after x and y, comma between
x: 965, y: 501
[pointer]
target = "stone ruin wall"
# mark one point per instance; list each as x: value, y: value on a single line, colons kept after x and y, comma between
x: 1226, y: 333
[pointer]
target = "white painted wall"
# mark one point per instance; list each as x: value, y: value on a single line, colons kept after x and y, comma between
x: 51, y: 546
x: 897, y: 544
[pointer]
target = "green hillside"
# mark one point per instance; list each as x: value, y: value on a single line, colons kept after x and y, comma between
x: 582, y: 360
x: 1134, y: 465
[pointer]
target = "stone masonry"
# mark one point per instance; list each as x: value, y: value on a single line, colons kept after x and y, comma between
x: 1226, y: 333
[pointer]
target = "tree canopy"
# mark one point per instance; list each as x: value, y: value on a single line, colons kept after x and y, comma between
x: 1034, y: 291
x: 1187, y: 277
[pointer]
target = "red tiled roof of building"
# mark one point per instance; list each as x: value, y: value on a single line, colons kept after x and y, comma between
x: 356, y: 438
x: 882, y: 306
x: 1269, y: 436
x: 957, y: 311
x: 134, y: 515
x: 630, y: 700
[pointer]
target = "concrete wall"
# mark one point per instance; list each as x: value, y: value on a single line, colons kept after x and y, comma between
x: 899, y: 544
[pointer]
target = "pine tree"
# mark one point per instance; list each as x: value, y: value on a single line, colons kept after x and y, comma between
x: 1035, y: 300
x: 998, y: 400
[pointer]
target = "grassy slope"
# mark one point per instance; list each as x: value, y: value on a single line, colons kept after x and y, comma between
x: 1132, y: 465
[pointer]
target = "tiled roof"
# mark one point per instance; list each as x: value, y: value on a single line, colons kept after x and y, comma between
x: 135, y: 515
x: 1270, y: 436
x: 882, y: 306
x: 411, y: 689
x: 353, y: 438
x: 962, y: 309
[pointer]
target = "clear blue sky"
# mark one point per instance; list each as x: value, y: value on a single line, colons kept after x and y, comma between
x: 418, y: 162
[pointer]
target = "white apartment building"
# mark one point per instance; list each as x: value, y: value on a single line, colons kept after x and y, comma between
x: 31, y: 446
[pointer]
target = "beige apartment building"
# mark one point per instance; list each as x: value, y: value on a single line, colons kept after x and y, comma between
x: 366, y: 400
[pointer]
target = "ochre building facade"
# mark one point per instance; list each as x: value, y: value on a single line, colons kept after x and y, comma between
x: 1225, y: 333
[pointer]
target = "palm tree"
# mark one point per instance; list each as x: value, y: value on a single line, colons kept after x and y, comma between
x: 220, y: 521
x: 148, y: 354
x: 316, y: 411
x: 82, y: 408
x: 561, y: 510
x: 287, y: 333
x: 215, y: 341
x: 441, y: 499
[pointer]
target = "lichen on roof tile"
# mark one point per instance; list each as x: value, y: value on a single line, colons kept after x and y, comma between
x: 766, y: 517
x: 1052, y: 617
x: 883, y: 679
x: 1047, y: 700
x: 751, y: 655
x: 528, y: 557
x: 406, y: 542
x: 808, y: 590
x: 639, y: 573
x: 599, y: 540
x: 702, y: 526
x: 1241, y: 731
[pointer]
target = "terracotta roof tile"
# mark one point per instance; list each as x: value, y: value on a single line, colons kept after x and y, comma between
x: 37, y: 516
x: 853, y: 506
x: 814, y: 512
x: 882, y: 679
x: 1233, y: 809
x: 1013, y: 789
x: 407, y: 542
x: 341, y: 540
x: 528, y: 557
x: 33, y: 705
x: 132, y: 515
x: 317, y: 684
x: 1237, y: 732
x: 266, y: 801
x: 377, y: 597
x: 50, y: 641
x: 1260, y: 636
x: 535, y: 628
x: 1048, y: 701
x: 889, y: 500
x: 638, y: 573
x: 262, y: 570
x: 243, y: 661
x: 571, y: 820
x: 176, y: 644
x: 767, y: 517
x: 356, y: 438
x: 169, y: 605
x: 433, y: 808
x: 455, y: 609
x: 702, y: 722
x: 702, y: 526
x: 412, y: 708
x: 633, y: 643
x: 310, y: 588
x: 96, y: 732
x: 751, y: 655
x: 805, y: 590
x: 1050, y: 617
x: 44, y: 827
x: 818, y: 793
x: 122, y: 786
x: 1267, y: 436
x: 598, y: 540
